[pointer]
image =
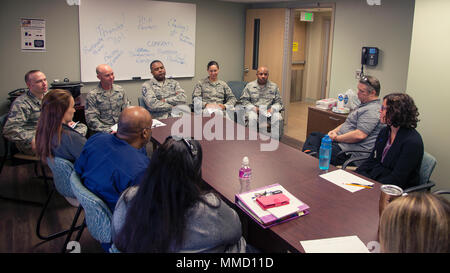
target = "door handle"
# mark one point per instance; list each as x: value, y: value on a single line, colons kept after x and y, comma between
x: 335, y: 119
x: 246, y: 70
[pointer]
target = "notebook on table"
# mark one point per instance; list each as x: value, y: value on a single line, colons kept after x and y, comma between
x: 274, y: 215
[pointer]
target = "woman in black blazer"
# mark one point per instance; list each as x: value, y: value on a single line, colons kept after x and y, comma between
x: 398, y: 151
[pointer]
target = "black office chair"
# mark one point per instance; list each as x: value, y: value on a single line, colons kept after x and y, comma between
x: 237, y: 87
x: 442, y: 192
x: 356, y: 160
x: 11, y: 153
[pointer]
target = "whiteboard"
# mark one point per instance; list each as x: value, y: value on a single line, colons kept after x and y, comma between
x: 129, y: 34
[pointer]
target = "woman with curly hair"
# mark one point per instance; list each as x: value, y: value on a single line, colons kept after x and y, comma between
x: 398, y: 151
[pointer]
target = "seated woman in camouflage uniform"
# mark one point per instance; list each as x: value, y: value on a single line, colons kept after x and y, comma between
x: 212, y: 94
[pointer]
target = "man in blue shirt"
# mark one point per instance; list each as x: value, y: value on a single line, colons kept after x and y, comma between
x: 110, y: 163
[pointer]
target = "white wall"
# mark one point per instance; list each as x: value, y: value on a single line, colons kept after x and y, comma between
x: 357, y: 24
x: 429, y: 81
x: 387, y: 27
x: 219, y: 36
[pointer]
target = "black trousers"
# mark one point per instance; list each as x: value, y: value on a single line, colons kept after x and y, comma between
x: 313, y: 142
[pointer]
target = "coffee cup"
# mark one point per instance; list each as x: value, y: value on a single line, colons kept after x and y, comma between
x: 388, y: 194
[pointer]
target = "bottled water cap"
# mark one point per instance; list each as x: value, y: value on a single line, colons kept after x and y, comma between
x: 245, y: 160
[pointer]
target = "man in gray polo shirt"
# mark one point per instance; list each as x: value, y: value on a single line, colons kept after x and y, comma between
x: 360, y: 129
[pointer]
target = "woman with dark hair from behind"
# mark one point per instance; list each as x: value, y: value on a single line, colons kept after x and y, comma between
x: 416, y: 223
x: 169, y: 212
x: 55, y: 135
x: 398, y: 152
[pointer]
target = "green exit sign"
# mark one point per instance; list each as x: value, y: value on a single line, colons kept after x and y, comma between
x: 306, y: 16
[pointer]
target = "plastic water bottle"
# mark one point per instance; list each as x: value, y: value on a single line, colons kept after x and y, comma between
x: 245, y: 174
x: 325, y: 153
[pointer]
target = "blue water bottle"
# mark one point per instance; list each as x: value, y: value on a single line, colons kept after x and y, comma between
x: 325, y: 153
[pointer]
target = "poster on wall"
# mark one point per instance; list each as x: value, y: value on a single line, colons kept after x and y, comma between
x: 33, y: 34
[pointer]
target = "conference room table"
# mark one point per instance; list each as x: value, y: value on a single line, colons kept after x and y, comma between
x: 334, y: 211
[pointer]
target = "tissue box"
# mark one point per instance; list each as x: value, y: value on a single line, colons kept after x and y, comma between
x: 326, y: 104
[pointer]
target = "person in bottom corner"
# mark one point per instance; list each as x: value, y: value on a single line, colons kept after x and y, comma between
x: 416, y: 223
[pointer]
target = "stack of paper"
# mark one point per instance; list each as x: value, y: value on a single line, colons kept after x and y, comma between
x: 155, y: 123
x: 272, y: 216
x: 346, y: 180
x: 347, y: 244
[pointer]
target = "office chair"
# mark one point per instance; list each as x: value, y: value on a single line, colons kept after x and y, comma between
x: 356, y: 160
x: 17, y: 158
x: 98, y: 216
x: 426, y: 169
x: 61, y: 169
x: 141, y: 102
x: 237, y: 87
x: 442, y: 192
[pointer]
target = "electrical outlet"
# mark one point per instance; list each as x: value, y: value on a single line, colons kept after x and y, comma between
x: 358, y: 74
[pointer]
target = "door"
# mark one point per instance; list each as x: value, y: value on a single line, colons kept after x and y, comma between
x: 269, y: 53
x: 298, y: 58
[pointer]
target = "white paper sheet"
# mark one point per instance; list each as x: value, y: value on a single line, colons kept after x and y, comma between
x: 155, y: 123
x: 341, y: 178
x: 346, y: 244
x: 210, y: 111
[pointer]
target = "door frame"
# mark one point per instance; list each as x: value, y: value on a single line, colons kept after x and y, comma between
x: 290, y: 8
x: 287, y: 55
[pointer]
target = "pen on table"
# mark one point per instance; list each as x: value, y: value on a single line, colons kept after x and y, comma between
x: 359, y: 185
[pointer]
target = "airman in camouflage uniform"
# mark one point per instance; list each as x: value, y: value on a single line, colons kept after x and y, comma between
x: 25, y: 111
x: 105, y: 102
x: 263, y: 95
x: 161, y: 94
x: 23, y: 116
x: 214, y: 93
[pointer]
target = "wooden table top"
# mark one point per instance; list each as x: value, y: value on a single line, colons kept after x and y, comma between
x: 334, y: 211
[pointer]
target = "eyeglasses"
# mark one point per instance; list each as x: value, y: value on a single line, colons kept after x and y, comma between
x: 383, y: 107
x: 187, y: 142
x: 366, y: 81
x: 266, y: 193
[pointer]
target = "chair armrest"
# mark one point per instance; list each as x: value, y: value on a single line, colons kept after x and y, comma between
x: 442, y: 192
x: 354, y: 151
x: 426, y: 186
x: 352, y: 160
